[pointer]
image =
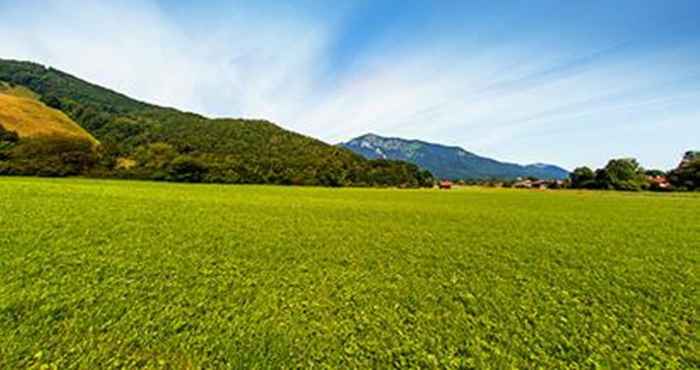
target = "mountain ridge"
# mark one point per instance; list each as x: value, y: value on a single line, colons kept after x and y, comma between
x: 449, y: 162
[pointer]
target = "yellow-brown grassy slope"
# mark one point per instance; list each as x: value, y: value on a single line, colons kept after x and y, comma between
x: 31, y: 118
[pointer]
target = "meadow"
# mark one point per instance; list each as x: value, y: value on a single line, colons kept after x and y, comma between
x: 29, y: 117
x: 117, y: 274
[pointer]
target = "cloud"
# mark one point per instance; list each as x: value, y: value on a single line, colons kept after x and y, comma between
x: 514, y: 97
x: 133, y: 47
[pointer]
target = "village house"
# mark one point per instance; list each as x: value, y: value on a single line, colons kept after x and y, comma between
x: 539, y: 184
x: 445, y: 185
x: 523, y: 184
x: 659, y: 182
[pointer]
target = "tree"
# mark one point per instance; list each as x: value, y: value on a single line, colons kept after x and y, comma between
x: 8, y: 139
x: 184, y: 168
x: 52, y: 156
x: 425, y: 179
x: 687, y: 175
x: 621, y: 174
x: 7, y: 136
x: 690, y: 156
x: 654, y: 173
x: 52, y: 101
x: 155, y: 156
x: 583, y: 178
x: 332, y: 177
x: 603, y: 179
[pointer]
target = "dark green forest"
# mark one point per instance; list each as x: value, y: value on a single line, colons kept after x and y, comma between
x: 144, y: 141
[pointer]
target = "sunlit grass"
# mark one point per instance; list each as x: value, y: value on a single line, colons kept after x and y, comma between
x: 106, y: 274
x: 29, y: 117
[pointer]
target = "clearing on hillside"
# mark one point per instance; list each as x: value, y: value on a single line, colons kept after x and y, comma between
x: 31, y: 118
x: 119, y: 274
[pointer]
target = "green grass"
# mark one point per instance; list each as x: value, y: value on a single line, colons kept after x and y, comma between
x: 108, y: 274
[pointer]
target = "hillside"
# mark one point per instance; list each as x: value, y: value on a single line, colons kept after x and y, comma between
x: 140, y: 140
x: 19, y: 91
x: 31, y: 118
x: 446, y: 161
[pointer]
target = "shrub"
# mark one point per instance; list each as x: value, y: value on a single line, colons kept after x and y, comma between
x: 185, y: 168
x: 583, y: 178
x: 52, y: 157
x: 7, y: 136
x: 687, y: 175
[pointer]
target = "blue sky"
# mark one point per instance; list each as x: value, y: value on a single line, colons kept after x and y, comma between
x: 566, y: 82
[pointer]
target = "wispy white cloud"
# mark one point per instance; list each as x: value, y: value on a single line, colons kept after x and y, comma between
x: 514, y: 100
x: 238, y: 68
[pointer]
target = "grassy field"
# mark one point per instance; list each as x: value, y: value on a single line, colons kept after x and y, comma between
x: 108, y: 274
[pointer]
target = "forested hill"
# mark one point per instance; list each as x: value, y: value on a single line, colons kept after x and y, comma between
x: 140, y: 140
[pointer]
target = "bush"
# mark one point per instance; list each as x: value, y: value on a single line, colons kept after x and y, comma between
x: 621, y: 174
x: 51, y: 157
x: 187, y: 169
x: 52, y: 101
x: 7, y: 136
x: 687, y: 175
x: 156, y: 156
x: 583, y: 178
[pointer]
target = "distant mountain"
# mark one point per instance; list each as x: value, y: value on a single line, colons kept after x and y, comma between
x: 448, y: 162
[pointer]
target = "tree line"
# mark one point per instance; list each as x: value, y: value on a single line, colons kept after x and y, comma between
x: 58, y: 157
x: 621, y: 174
x: 627, y: 175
